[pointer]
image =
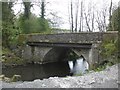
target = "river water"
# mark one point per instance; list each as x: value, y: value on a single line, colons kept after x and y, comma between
x: 31, y: 72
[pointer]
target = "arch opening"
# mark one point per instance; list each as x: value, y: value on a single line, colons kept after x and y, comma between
x: 77, y: 64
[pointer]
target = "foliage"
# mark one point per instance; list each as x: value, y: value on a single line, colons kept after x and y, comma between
x: 80, y: 74
x: 109, y: 49
x: 72, y: 55
x: 33, y: 24
x: 44, y: 25
x: 115, y: 22
x: 9, y: 58
x: 27, y: 12
x: 9, y: 30
x: 103, y: 66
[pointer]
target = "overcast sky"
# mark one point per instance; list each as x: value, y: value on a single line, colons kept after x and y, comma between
x: 61, y: 7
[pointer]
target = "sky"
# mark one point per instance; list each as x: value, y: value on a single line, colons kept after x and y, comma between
x: 61, y: 8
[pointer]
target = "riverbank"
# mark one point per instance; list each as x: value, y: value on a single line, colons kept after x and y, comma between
x: 107, y: 78
x: 9, y: 58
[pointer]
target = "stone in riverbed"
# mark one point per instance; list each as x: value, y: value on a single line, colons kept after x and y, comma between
x: 2, y: 77
x: 16, y: 78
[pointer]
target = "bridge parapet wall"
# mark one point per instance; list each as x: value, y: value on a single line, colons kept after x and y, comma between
x: 84, y: 37
x: 65, y: 38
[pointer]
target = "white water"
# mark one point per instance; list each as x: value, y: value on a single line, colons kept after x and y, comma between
x: 80, y: 66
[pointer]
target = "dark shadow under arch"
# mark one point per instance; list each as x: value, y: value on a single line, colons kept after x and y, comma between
x: 60, y: 54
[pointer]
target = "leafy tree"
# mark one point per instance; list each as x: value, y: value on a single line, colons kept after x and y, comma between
x: 33, y: 25
x: 44, y: 25
x: 9, y: 30
x: 115, y: 20
x: 24, y: 20
x: 27, y: 7
x: 30, y: 23
x: 115, y: 26
x: 43, y: 9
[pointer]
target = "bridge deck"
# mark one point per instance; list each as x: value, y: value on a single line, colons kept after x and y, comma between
x: 67, y: 45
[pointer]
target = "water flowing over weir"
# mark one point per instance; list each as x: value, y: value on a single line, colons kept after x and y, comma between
x: 78, y: 66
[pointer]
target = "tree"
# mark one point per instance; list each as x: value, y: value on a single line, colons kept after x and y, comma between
x: 81, y: 18
x: 115, y: 20
x: 42, y: 9
x: 72, y: 25
x: 8, y: 27
x: 55, y: 20
x: 24, y: 18
x: 76, y: 16
x: 44, y: 25
x: 110, y: 15
x: 27, y: 7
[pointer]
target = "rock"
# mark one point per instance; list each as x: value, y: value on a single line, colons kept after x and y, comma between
x: 2, y: 77
x: 93, y: 81
x: 43, y: 85
x: 16, y: 78
x: 7, y: 79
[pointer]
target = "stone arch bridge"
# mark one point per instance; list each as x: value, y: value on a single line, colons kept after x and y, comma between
x: 46, y: 48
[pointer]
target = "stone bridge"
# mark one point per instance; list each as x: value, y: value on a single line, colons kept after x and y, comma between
x: 46, y: 48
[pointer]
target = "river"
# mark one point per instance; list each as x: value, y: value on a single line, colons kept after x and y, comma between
x: 31, y: 72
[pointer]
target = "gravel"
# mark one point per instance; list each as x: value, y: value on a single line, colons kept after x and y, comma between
x: 107, y: 78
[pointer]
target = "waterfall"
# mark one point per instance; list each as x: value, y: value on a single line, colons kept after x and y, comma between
x: 80, y: 66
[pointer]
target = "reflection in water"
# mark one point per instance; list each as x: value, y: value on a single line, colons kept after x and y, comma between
x: 36, y: 71
x: 79, y: 67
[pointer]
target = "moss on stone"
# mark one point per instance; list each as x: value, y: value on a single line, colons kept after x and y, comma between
x: 22, y: 39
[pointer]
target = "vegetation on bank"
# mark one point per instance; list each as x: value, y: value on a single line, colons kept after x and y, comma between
x: 9, y: 58
x: 109, y: 49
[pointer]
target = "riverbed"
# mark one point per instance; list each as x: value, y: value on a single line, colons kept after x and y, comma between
x: 107, y: 78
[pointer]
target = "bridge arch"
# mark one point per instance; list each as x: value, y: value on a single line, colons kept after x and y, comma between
x: 63, y: 54
x: 55, y: 54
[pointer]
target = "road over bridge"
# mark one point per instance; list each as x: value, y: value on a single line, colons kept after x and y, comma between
x: 46, y: 48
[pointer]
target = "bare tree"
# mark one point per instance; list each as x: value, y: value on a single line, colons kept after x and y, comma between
x: 87, y: 15
x: 81, y: 18
x: 93, y: 17
x: 72, y: 25
x: 76, y: 15
x: 101, y: 19
x: 87, y: 21
x: 55, y: 20
x: 104, y: 14
x: 110, y: 15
